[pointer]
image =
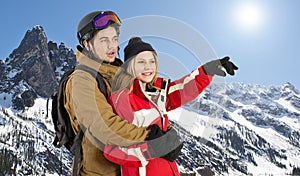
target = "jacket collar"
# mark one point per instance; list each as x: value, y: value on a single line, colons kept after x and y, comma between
x: 138, y: 88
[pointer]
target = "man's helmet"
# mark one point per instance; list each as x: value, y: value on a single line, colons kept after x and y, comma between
x: 95, y: 21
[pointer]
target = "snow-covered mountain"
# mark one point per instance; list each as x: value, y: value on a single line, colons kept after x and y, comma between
x: 230, y: 129
x: 28, y: 77
x: 243, y: 129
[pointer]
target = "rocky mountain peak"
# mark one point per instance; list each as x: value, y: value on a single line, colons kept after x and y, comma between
x: 289, y: 88
x: 33, y: 43
x: 31, y: 69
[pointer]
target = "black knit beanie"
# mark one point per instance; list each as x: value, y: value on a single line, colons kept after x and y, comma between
x: 136, y: 46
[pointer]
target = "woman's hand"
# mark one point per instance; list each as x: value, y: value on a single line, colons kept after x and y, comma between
x: 215, y: 67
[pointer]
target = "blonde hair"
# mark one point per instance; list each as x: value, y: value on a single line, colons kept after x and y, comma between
x: 126, y: 75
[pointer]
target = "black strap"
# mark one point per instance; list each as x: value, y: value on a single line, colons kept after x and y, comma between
x: 76, y: 150
x: 101, y: 84
x: 76, y: 147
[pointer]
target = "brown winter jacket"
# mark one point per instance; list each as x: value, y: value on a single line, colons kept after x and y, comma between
x: 87, y: 106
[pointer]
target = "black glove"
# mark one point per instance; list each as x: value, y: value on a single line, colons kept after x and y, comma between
x: 172, y: 156
x: 166, y: 145
x: 215, y: 67
x: 155, y: 132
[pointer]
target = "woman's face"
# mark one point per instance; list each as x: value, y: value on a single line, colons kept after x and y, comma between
x: 145, y: 66
x: 104, y: 45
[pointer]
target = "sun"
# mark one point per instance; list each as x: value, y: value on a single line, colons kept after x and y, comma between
x: 249, y: 17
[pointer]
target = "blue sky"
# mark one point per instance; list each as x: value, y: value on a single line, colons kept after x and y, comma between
x: 261, y: 36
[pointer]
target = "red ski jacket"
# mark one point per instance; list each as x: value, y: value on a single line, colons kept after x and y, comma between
x: 145, y: 108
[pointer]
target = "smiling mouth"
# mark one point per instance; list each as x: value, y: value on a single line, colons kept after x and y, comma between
x: 147, y: 73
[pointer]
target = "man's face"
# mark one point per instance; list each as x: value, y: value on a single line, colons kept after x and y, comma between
x: 105, y: 44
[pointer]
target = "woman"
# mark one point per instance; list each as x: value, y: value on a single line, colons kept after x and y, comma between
x: 142, y: 98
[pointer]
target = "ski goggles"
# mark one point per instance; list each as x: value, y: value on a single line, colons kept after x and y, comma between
x: 100, y: 21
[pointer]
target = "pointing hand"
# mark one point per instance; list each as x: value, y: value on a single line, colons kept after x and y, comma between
x: 215, y: 67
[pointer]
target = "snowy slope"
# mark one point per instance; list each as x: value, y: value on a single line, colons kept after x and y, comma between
x: 265, y: 137
x: 26, y: 141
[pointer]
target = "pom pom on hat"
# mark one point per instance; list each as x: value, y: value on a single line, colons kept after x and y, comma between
x: 135, y: 46
x: 134, y: 39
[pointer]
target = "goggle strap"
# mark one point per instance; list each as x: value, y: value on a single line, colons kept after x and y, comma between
x: 86, y: 29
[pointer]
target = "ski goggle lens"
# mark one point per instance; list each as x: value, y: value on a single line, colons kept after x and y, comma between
x: 103, y: 19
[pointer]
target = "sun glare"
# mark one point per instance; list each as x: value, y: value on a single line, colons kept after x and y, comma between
x: 249, y: 17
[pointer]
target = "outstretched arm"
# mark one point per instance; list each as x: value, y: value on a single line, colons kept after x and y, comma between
x: 186, y: 88
x: 190, y: 86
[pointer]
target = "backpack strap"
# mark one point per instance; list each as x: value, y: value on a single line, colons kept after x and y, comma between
x: 101, y: 84
x: 76, y: 148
